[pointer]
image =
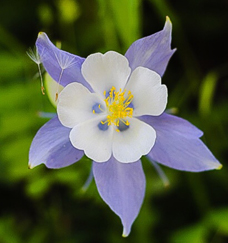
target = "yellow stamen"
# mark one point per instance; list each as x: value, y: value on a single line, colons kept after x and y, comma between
x: 117, y: 107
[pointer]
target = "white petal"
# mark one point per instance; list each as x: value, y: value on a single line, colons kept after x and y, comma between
x: 96, y: 143
x: 150, y: 96
x: 131, y: 144
x: 75, y: 105
x: 103, y: 71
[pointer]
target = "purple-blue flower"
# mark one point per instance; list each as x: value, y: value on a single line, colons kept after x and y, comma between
x: 112, y: 110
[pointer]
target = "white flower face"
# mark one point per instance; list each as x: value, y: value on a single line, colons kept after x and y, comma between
x: 104, y: 123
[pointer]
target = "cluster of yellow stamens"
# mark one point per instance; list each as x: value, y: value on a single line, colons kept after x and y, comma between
x: 117, y: 107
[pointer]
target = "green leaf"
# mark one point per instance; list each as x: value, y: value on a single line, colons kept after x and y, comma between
x: 207, y: 93
x: 120, y: 20
x: 127, y: 18
x: 196, y: 233
x: 219, y: 220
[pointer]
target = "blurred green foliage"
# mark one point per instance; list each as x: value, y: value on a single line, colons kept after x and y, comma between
x: 43, y: 205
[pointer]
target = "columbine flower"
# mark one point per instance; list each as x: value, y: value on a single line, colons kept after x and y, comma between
x: 112, y: 109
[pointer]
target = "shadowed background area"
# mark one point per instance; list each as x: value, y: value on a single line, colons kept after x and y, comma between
x: 43, y: 205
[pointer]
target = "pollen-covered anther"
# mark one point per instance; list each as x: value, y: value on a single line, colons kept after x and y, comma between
x: 117, y: 107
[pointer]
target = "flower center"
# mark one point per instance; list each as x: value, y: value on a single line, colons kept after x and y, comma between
x: 117, y: 104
